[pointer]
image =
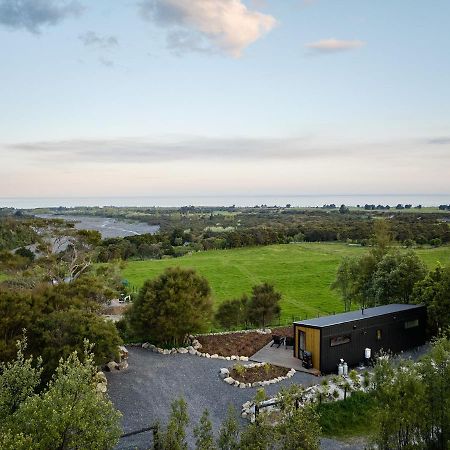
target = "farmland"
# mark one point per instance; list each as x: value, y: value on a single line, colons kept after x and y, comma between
x: 303, y: 272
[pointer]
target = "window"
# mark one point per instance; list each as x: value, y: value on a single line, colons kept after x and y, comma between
x: 339, y: 340
x: 379, y: 334
x: 411, y: 324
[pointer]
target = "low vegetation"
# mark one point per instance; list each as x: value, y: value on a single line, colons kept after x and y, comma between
x: 238, y: 344
x: 267, y: 371
x: 348, y: 418
x: 66, y: 413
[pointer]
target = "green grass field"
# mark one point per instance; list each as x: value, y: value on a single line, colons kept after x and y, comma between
x: 303, y: 272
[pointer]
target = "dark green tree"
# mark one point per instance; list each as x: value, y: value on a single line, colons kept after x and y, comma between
x: 263, y: 305
x: 70, y: 412
x: 434, y: 292
x: 175, y: 436
x: 395, y: 276
x: 204, y: 438
x: 171, y: 306
x: 229, y: 432
x: 232, y: 313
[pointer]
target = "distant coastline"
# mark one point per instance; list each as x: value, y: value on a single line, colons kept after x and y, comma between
x: 228, y: 200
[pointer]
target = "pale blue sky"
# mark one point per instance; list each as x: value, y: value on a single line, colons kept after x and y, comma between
x: 112, y: 97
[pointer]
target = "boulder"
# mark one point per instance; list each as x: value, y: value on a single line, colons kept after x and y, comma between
x: 224, y: 373
x: 112, y: 365
x: 145, y: 345
x: 123, y: 364
x: 182, y: 350
x: 229, y: 380
x: 215, y: 356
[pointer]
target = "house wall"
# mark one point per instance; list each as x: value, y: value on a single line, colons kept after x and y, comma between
x: 312, y: 343
x: 363, y: 333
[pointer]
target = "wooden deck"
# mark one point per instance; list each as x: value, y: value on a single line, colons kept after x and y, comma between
x: 281, y: 356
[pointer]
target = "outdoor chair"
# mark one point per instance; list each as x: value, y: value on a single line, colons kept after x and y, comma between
x: 289, y: 341
x: 277, y: 340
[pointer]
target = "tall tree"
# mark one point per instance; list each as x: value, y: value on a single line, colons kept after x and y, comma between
x: 172, y: 306
x: 434, y: 291
x: 263, y: 305
x: 395, y: 276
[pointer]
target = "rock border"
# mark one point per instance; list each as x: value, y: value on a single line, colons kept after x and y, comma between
x: 192, y: 349
x: 312, y: 394
x: 224, y: 373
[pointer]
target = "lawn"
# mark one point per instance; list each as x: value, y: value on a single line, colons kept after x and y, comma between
x: 303, y: 273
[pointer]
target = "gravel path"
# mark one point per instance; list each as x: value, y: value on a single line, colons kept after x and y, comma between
x: 144, y: 392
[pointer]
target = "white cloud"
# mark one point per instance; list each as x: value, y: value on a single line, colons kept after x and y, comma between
x: 333, y: 45
x: 225, y: 24
x: 90, y: 38
x: 34, y: 14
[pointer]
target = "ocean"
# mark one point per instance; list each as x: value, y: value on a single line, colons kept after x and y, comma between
x: 229, y: 200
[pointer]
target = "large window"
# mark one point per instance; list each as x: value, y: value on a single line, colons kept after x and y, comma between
x: 339, y: 340
x: 411, y: 324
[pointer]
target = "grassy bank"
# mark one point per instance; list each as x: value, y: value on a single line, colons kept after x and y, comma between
x: 348, y: 418
x: 303, y: 273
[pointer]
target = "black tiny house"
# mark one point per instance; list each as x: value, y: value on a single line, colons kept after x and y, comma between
x: 394, y: 327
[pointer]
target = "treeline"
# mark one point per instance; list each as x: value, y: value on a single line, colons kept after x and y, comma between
x: 179, y: 242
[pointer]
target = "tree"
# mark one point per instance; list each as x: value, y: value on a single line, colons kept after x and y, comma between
x: 203, y: 433
x: 69, y: 413
x: 297, y: 425
x: 413, y: 401
x: 395, y: 276
x: 434, y: 292
x: 346, y: 281
x: 232, y: 313
x: 172, y: 306
x: 263, y: 305
x: 229, y: 432
x: 175, y: 436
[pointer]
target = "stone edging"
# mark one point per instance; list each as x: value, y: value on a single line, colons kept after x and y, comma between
x: 225, y: 375
x: 221, y: 333
x: 311, y: 395
x: 192, y: 349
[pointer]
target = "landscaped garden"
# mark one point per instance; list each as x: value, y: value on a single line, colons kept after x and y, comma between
x: 257, y: 372
x: 238, y: 344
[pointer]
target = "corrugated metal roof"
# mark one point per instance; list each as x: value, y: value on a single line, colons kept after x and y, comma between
x: 357, y: 315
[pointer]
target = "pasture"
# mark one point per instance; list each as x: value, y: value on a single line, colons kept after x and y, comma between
x: 302, y: 272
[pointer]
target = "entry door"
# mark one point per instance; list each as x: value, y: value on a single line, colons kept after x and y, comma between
x: 301, y: 343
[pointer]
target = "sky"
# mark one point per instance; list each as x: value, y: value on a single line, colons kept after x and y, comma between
x: 224, y: 97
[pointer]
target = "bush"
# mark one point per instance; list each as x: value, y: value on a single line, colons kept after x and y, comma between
x: 170, y: 307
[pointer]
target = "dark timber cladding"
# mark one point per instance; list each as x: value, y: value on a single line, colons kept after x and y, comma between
x: 394, y: 327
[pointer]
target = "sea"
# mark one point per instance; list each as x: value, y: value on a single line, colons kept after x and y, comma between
x: 228, y: 200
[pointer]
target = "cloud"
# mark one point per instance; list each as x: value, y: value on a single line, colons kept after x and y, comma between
x: 226, y: 25
x: 439, y: 141
x: 106, y: 62
x: 146, y: 150
x: 333, y: 45
x: 92, y: 39
x: 31, y: 15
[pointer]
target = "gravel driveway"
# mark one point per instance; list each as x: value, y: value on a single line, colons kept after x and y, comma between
x: 144, y: 392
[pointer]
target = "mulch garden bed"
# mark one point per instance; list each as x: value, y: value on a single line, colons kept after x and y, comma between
x: 234, y: 344
x: 265, y: 372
